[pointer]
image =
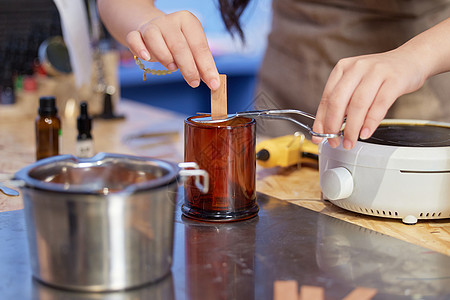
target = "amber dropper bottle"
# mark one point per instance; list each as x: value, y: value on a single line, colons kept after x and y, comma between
x: 48, y: 128
x: 85, y: 145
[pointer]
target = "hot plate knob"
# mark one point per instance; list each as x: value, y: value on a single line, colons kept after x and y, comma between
x: 337, y: 183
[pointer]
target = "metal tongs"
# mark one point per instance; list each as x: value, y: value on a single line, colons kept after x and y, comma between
x: 272, y: 114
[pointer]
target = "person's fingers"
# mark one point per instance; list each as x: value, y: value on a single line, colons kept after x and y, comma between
x: 182, y: 55
x: 157, y: 46
x: 338, y: 103
x: 177, y: 40
x: 361, y: 101
x: 196, y: 38
x: 137, y: 45
x: 318, y: 122
x: 384, y: 99
x: 333, y: 79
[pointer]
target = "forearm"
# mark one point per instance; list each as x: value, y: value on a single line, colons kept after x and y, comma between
x: 431, y: 48
x: 123, y: 16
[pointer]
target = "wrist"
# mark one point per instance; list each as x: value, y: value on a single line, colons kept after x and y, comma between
x: 420, y: 56
x: 431, y: 49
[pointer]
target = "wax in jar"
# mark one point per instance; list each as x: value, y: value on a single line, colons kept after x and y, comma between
x: 226, y: 150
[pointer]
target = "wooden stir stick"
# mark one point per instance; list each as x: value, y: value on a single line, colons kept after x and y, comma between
x: 309, y: 292
x: 285, y: 290
x: 219, y: 100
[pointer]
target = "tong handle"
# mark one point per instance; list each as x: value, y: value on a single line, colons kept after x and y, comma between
x: 274, y: 114
x: 275, y: 111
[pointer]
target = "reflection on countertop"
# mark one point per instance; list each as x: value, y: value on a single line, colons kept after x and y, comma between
x: 242, y: 260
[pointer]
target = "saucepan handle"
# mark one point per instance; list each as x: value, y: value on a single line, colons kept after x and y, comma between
x: 9, y: 180
x: 192, y: 169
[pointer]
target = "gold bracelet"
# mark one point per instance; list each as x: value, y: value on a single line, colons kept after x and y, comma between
x: 150, y: 71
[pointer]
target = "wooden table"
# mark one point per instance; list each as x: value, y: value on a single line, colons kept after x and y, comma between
x: 299, y: 185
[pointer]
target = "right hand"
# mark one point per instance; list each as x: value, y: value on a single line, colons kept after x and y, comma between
x: 362, y: 89
x: 177, y: 41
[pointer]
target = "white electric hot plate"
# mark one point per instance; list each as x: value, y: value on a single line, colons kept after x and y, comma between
x: 402, y: 171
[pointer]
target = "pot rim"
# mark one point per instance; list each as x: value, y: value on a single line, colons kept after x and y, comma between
x: 30, y: 182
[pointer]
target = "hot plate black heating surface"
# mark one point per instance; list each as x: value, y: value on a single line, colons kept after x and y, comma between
x: 411, y: 135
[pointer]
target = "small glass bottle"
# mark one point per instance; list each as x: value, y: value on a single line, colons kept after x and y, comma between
x: 48, y: 128
x: 85, y: 145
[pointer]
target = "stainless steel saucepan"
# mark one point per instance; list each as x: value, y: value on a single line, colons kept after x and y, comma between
x: 103, y: 223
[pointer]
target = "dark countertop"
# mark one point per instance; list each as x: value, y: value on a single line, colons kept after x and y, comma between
x: 242, y: 260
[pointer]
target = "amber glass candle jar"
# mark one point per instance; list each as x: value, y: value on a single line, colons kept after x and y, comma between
x: 226, y: 150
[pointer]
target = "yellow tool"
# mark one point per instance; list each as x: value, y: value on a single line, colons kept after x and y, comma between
x: 286, y: 151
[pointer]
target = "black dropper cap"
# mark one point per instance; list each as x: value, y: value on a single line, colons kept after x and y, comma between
x: 84, y: 123
x: 47, y: 106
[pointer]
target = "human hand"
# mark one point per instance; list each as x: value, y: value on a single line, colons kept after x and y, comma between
x: 362, y: 89
x: 177, y: 41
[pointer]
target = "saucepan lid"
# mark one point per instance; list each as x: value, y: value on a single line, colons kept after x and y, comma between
x: 103, y: 173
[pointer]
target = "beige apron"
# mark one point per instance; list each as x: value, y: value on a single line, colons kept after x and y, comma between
x: 309, y: 37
